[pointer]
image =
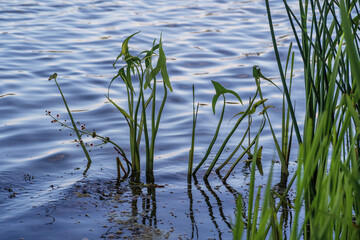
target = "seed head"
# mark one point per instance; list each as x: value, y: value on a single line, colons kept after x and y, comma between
x: 54, y: 76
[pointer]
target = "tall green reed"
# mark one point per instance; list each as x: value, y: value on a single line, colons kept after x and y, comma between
x: 327, y: 75
x: 327, y: 177
x: 191, y: 151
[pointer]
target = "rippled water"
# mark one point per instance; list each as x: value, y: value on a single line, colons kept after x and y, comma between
x: 41, y: 168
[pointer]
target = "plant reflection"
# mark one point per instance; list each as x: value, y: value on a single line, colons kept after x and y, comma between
x: 148, y: 204
x: 235, y: 193
x: 149, y: 207
x: 140, y: 221
x: 210, y: 207
x: 218, y: 202
x: 143, y: 219
x: 280, y: 190
x: 194, y: 227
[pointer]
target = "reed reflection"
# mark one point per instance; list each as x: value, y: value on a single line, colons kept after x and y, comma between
x: 218, y: 202
x: 148, y: 211
x: 235, y: 194
x: 210, y: 207
x: 194, y: 227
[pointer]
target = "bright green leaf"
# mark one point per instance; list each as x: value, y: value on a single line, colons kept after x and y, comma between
x: 220, y: 90
x: 125, y: 48
x: 123, y: 112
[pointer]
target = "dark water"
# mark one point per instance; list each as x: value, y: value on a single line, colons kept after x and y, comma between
x: 43, y: 194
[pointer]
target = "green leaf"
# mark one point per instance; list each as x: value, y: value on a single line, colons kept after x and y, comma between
x: 123, y: 112
x: 157, y: 69
x: 148, y: 65
x: 355, y: 115
x: 220, y: 90
x: 265, y: 108
x: 149, y: 55
x: 351, y: 49
x: 257, y: 75
x: 165, y: 77
x: 164, y: 73
x: 258, y: 103
x: 253, y: 108
x: 161, y: 66
x: 125, y: 48
x: 121, y: 73
x: 131, y: 60
x: 147, y: 77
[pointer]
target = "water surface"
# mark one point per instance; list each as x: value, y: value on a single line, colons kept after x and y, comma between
x: 43, y: 194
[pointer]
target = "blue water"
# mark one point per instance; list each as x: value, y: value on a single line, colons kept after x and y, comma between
x: 41, y: 166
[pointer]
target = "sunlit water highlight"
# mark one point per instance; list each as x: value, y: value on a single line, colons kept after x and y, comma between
x: 41, y: 168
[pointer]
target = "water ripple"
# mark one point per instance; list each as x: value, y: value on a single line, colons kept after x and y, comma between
x: 203, y: 40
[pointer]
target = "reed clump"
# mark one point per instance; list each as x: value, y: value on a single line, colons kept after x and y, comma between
x: 326, y: 204
x: 327, y: 187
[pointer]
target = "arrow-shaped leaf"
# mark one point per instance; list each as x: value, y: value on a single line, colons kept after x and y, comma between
x: 253, y: 108
x: 124, y: 48
x: 220, y: 90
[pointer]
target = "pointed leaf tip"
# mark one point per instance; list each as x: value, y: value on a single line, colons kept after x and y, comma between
x: 124, y: 48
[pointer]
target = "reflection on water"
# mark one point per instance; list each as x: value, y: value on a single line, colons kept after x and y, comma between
x: 194, y: 227
x: 113, y: 209
x: 42, y: 190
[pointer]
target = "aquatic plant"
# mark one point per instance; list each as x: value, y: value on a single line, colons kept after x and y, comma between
x: 327, y: 177
x: 81, y: 130
x: 141, y: 68
x: 220, y: 90
x: 247, y: 114
x: 79, y: 136
x: 191, y: 151
x: 142, y: 115
x: 283, y: 149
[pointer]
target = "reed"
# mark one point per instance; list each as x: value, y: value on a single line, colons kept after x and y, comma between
x: 327, y: 178
x: 191, y: 151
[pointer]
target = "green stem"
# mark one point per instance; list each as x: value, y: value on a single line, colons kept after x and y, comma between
x: 297, y: 131
x: 76, y: 130
x: 191, y: 152
x: 228, y: 138
x: 213, y: 139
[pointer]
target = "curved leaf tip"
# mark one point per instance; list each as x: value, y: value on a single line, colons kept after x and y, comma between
x: 124, y: 48
x: 220, y: 90
x: 257, y: 75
